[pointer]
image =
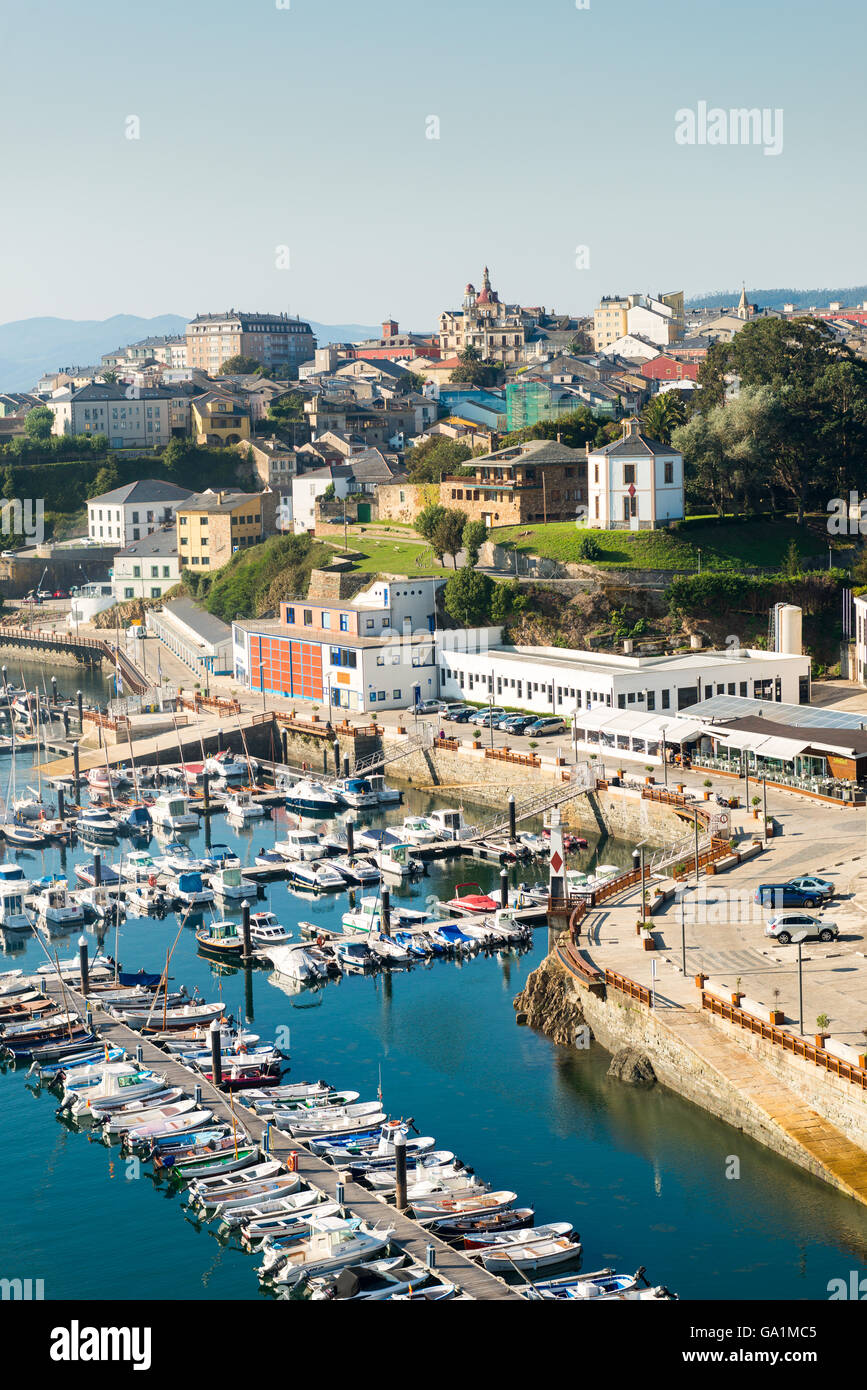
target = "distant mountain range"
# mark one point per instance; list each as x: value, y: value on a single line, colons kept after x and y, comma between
x: 30, y: 347
x: 775, y: 299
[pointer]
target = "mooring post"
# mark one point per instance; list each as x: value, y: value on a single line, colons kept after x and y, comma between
x: 325, y: 760
x: 284, y: 739
x: 504, y: 887
x: 430, y: 1256
x: 400, y: 1171
x: 206, y: 791
x: 336, y: 758
x: 61, y: 804
x: 245, y: 929
x: 66, y: 724
x: 82, y: 962
x: 512, y: 820
x: 350, y: 837
x: 76, y: 772
x: 346, y: 764
x: 216, y: 1053
x: 339, y: 1193
x: 97, y: 868
x: 385, y: 912
x: 80, y: 702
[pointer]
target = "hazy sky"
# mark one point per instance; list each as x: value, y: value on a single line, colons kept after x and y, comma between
x: 305, y: 127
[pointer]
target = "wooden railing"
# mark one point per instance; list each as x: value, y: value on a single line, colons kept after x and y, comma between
x: 505, y: 755
x: 626, y: 986
x: 576, y: 965
x: 789, y: 1042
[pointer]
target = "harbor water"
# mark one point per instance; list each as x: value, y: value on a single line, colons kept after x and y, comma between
x: 642, y: 1174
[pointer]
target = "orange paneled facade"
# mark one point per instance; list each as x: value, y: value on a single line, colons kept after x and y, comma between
x: 285, y: 667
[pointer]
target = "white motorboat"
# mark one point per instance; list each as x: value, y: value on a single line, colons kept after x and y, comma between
x: 389, y: 951
x: 356, y: 870
x: 96, y: 823
x: 355, y: 792
x: 354, y: 1119
x: 139, y: 867
x: 101, y: 899
x: 106, y: 1088
x: 320, y: 875
x: 171, y: 811
x: 224, y: 1184
x: 312, y: 798
x: 294, y: 961
x: 13, y: 918
x: 265, y: 930
x: 179, y: 1016
x: 329, y: 1250
x: 450, y: 825
x: 101, y: 779
x: 158, y: 1128
x: 367, y: 917
x: 396, y: 860
x: 230, y: 768
x: 385, y: 795
x: 120, y: 1123
x: 230, y: 884
x: 192, y: 890
x: 241, y: 806
x: 243, y: 1195
x: 419, y: 830
x: 301, y: 844
x: 56, y: 906
x: 471, y: 1204
x: 528, y: 1256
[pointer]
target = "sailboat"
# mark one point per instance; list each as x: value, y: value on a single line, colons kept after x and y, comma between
x: 14, y: 830
x: 31, y: 806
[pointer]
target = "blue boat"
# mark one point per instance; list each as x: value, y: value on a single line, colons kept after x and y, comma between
x: 452, y: 937
x: 140, y: 980
x: 136, y: 821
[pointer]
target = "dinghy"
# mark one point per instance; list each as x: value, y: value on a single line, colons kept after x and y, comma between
x: 528, y: 1256
x: 472, y: 1204
x: 325, y: 1251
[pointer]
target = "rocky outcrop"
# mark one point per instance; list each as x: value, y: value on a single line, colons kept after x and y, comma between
x: 633, y: 1067
x: 548, y: 1003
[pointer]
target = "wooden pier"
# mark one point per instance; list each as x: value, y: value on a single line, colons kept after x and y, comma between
x: 452, y: 1265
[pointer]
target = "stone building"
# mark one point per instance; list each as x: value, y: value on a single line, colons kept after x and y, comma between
x: 498, y: 331
x: 540, y: 480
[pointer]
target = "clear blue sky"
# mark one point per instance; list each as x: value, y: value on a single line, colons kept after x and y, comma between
x: 263, y: 127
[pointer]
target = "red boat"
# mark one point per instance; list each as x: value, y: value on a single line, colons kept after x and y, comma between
x: 471, y: 903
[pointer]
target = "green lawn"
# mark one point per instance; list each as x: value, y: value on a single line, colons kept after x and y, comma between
x: 724, y: 546
x: 414, y: 559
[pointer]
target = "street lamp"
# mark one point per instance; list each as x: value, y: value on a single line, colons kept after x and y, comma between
x: 663, y: 730
x: 698, y: 548
x: 800, y: 937
x: 686, y: 889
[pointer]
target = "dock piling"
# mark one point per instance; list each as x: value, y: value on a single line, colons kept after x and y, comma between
x: 385, y: 912
x: 216, y: 1053
x: 512, y: 819
x: 504, y: 887
x: 350, y: 837
x: 245, y: 929
x: 97, y: 868
x: 82, y: 963
x: 336, y: 758
x: 400, y: 1200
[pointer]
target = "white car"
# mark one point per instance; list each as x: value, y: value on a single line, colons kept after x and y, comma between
x: 785, y: 925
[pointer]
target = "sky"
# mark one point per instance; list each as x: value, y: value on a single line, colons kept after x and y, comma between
x: 282, y: 156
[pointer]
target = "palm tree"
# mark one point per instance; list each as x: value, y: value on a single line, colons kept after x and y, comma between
x: 663, y: 414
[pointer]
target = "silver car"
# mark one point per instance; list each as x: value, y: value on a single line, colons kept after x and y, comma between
x: 784, y: 925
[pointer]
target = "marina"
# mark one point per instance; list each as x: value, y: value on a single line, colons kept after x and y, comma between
x: 627, y: 1170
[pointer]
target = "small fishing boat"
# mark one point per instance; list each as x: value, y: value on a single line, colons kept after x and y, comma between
x: 222, y: 857
x: 100, y: 779
x: 179, y: 859
x: 385, y: 795
x: 472, y: 904
x: 269, y: 859
x: 397, y: 860
x: 139, y: 867
x: 355, y: 792
x: 371, y: 1282
x: 354, y: 955
x: 243, y: 1195
x: 489, y: 1240
x: 241, y: 806
x: 356, y: 870
x: 603, y: 1284
x: 224, y: 1185
x: 135, y: 820
x: 329, y: 1250
x: 159, y: 1128
x: 231, y: 885
x: 418, y: 830
x: 181, y: 1016
x: 191, y: 889
x: 482, y: 1228
x: 336, y: 1121
x: 23, y: 836
x: 388, y: 951
x: 56, y: 907
x: 221, y: 939
x: 171, y: 811
x: 455, y: 1205
x: 109, y: 1087
x: 301, y: 844
x: 86, y: 873
x: 452, y: 938
x: 269, y: 1107
x: 529, y: 1256
x: 319, y: 876
x: 120, y: 1123
x: 230, y: 768
x: 230, y: 1157
x: 96, y: 823
x: 294, y: 1215
x: 294, y: 961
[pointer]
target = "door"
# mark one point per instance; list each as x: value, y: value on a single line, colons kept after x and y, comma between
x: 364, y: 511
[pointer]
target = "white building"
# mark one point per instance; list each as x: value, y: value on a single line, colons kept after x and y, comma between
x: 631, y: 346
x: 635, y: 483
x: 307, y: 487
x: 549, y: 680
x: 147, y: 567
x: 652, y: 319
x: 128, y: 416
x: 134, y: 510
x: 860, y: 602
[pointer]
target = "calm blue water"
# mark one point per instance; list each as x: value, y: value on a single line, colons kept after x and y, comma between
x: 641, y: 1174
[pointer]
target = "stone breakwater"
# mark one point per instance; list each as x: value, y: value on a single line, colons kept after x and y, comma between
x: 810, y: 1118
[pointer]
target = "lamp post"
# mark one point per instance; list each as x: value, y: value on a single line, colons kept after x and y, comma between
x: 664, y: 728
x: 800, y: 937
x: 683, y: 931
x: 764, y: 808
x: 698, y: 548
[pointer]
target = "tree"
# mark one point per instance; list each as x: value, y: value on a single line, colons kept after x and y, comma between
x: 239, y: 366
x: 110, y: 378
x: 467, y: 597
x: 663, y: 414
x: 474, y: 536
x: 38, y: 423
x: 448, y: 534
x: 106, y: 480
x: 427, y: 520
x: 287, y: 410
x: 505, y: 600
x: 474, y: 370
x: 435, y: 457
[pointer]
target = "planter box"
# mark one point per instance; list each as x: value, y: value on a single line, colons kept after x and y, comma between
x: 649, y: 943
x: 776, y: 1017
x: 700, y: 980
x: 710, y: 868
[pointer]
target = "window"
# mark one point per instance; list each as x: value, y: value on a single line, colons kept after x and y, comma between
x: 628, y: 474
x: 325, y: 619
x: 344, y: 622
x: 166, y: 571
x: 129, y: 593
x: 307, y: 617
x: 651, y: 700
x: 666, y: 700
x: 155, y: 571
x: 669, y: 471
x: 743, y: 688
x: 290, y: 616
x: 136, y: 571
x: 396, y: 695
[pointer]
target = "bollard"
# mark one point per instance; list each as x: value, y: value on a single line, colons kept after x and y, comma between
x: 76, y: 772
x: 339, y: 1194
x: 400, y: 1171
x: 65, y: 714
x: 139, y: 1054
x: 636, y: 859
x: 216, y: 1054
x: 245, y: 929
x: 80, y: 702
x: 504, y: 887
x: 266, y: 1138
x: 54, y: 690
x: 97, y: 868
x: 336, y: 758
x: 385, y: 913
x: 43, y: 984
x: 512, y: 820
x: 350, y: 838
x: 82, y: 961
x: 430, y: 1256
x: 197, y: 1094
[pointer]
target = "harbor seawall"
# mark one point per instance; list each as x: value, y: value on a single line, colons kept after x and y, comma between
x: 699, y: 1068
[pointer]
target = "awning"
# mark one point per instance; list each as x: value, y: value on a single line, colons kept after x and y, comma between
x: 783, y: 748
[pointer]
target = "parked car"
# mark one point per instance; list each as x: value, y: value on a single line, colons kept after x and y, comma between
x: 486, y: 714
x: 459, y: 714
x: 784, y: 895
x: 539, y: 728
x: 784, y: 925
x: 45, y: 593
x: 810, y: 883
x: 60, y: 593
x: 428, y: 707
x: 517, y: 723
